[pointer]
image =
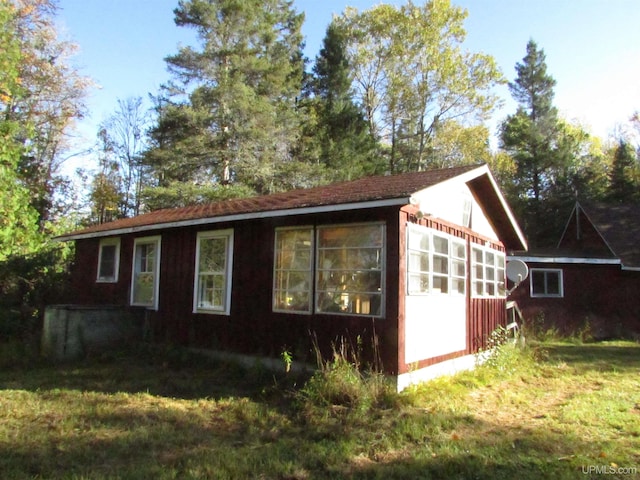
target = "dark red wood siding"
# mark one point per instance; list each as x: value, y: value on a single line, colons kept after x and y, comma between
x: 603, y: 298
x: 252, y: 327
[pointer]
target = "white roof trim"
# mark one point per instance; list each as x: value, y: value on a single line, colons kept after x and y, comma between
x: 239, y: 216
x: 549, y: 259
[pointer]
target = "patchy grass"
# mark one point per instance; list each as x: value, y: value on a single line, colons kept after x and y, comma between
x: 559, y: 411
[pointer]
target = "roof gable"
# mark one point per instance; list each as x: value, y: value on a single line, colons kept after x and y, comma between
x: 362, y: 193
x: 605, y: 229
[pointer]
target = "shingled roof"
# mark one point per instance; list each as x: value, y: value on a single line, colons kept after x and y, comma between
x: 619, y: 226
x: 368, y: 191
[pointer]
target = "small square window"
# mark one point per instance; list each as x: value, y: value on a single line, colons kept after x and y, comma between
x: 546, y: 283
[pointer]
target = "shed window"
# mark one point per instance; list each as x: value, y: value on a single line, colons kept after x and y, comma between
x: 293, y: 274
x: 146, y: 271
x: 436, y: 262
x: 108, y: 260
x: 487, y: 266
x: 546, y: 283
x: 350, y: 269
x: 212, y: 290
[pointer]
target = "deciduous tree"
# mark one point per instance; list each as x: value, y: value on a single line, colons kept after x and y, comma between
x: 52, y: 99
x: 412, y: 76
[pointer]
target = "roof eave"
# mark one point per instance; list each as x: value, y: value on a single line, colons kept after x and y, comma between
x: 237, y: 217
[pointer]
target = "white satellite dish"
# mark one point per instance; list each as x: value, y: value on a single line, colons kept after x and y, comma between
x: 517, y: 271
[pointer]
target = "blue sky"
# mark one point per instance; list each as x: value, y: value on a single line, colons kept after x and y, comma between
x: 592, y: 49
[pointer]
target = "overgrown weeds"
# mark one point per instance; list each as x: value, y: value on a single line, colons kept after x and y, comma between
x: 341, y: 384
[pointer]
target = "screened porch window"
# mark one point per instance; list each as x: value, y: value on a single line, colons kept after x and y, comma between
x: 488, y: 278
x: 436, y: 262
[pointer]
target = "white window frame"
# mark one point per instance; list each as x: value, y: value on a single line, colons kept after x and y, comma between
x: 360, y: 303
x: 155, y: 240
x: 498, y: 267
x: 547, y: 271
x: 109, y: 242
x: 430, y: 252
x: 224, y: 309
x: 278, y: 270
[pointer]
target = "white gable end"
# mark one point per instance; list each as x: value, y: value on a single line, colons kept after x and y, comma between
x: 453, y: 202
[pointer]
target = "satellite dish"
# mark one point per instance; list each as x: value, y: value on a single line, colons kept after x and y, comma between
x: 517, y: 271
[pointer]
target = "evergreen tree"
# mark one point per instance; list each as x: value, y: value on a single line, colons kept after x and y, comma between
x: 229, y: 117
x: 624, y: 179
x: 347, y: 147
x: 532, y: 136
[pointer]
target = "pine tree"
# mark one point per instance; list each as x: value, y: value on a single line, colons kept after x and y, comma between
x: 347, y: 147
x: 624, y: 179
x: 229, y: 117
x: 532, y: 136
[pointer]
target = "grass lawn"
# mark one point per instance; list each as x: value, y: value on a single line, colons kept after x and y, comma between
x: 557, y: 411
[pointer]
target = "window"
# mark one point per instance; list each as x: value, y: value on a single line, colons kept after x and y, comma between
x: 487, y: 267
x: 108, y: 260
x: 145, y: 272
x: 349, y: 274
x: 546, y: 283
x: 292, y: 279
x: 212, y: 289
x: 436, y: 262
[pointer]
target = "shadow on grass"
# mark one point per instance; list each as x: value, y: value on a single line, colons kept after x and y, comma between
x: 103, y: 434
x: 173, y: 443
x: 176, y: 374
x: 600, y: 357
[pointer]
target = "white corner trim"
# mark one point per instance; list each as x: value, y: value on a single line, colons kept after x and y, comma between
x: 448, y: 367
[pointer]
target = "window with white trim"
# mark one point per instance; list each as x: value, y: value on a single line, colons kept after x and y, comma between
x: 546, y: 282
x: 214, y: 256
x: 293, y: 270
x: 487, y: 266
x: 145, y: 272
x: 346, y: 277
x: 436, y: 262
x: 108, y: 260
x: 350, y: 269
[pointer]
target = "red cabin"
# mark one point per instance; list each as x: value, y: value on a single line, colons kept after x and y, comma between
x: 408, y: 267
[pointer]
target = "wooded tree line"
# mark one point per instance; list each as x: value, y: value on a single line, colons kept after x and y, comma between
x: 245, y: 113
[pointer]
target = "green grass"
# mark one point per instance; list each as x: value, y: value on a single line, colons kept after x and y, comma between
x: 557, y: 410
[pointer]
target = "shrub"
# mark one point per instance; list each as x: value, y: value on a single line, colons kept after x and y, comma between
x: 27, y: 284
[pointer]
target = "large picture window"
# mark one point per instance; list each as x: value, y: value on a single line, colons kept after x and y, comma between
x: 436, y: 262
x: 346, y: 277
x: 546, y: 282
x: 212, y: 290
x: 293, y: 274
x: 350, y: 267
x: 488, y: 278
x: 145, y: 272
x: 108, y: 260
